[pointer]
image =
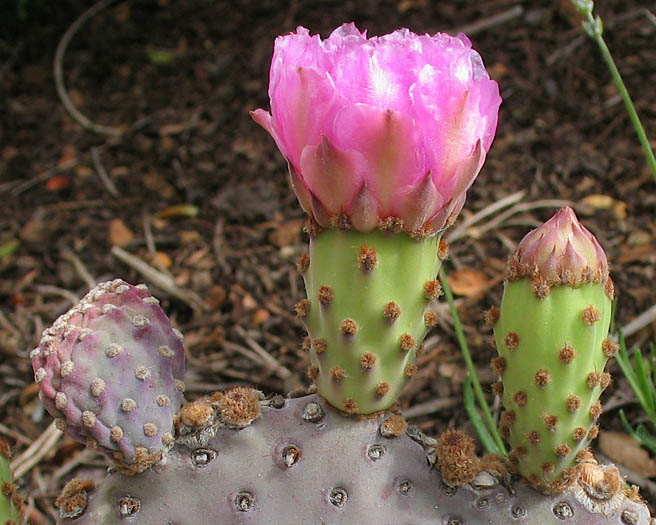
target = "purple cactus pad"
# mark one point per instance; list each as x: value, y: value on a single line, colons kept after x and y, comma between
x: 110, y: 369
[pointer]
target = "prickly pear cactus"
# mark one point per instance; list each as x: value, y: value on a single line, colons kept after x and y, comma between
x: 551, y: 335
x: 110, y: 371
x: 10, y: 501
x: 368, y: 310
x: 300, y: 461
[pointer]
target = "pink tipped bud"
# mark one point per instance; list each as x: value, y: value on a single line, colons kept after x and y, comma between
x: 561, y: 251
x: 383, y: 130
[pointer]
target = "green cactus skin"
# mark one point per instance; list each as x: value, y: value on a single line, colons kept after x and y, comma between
x: 534, y: 335
x: 368, y: 294
x: 8, y: 512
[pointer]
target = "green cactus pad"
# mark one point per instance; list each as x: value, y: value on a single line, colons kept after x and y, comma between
x: 552, y: 353
x: 367, y: 299
x: 8, y: 512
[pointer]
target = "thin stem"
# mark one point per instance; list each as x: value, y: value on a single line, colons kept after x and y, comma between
x: 593, y: 27
x: 478, y: 391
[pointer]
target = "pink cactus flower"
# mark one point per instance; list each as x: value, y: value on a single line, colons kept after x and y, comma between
x: 380, y: 132
x: 560, y: 252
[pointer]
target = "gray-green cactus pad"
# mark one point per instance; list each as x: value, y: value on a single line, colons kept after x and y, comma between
x: 304, y: 463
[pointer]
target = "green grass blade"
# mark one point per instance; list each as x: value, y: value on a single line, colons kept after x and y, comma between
x: 484, y: 435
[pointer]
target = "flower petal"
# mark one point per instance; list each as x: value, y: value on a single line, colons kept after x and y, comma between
x: 331, y: 174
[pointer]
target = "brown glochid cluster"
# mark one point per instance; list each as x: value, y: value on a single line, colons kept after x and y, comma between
x: 239, y: 406
x: 550, y: 421
x: 407, y: 342
x: 590, y: 315
x: 579, y: 434
x: 498, y: 364
x: 593, y: 379
x: 393, y: 426
x: 306, y: 344
x: 430, y: 319
x: 533, y: 437
x: 492, y: 316
x: 442, y: 250
x: 511, y: 340
x: 609, y: 347
x: 520, y: 398
x: 312, y: 372
x: 456, y: 454
x: 562, y: 450
x: 573, y: 403
x: 367, y: 361
x: 348, y: 327
x: 595, y: 410
x: 432, y: 289
x: 410, y: 370
x: 542, y: 377
x: 566, y: 355
x: 303, y: 262
x: 391, y: 311
x: 367, y: 259
x: 302, y: 308
x: 336, y: 373
x: 350, y: 405
x: 326, y: 295
x: 319, y: 345
x: 382, y: 389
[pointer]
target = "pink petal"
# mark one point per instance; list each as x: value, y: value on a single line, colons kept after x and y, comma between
x: 364, y: 210
x: 388, y: 142
x: 332, y: 175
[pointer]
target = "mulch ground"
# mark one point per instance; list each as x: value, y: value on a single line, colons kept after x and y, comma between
x: 197, y: 191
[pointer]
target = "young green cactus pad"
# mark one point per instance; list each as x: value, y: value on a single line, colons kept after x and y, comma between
x: 10, y: 500
x: 301, y: 461
x: 551, y: 335
x: 369, y: 306
x: 110, y: 371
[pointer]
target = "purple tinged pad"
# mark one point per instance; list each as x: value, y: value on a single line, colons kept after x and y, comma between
x: 110, y: 370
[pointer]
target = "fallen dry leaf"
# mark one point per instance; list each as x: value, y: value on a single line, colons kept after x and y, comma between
x: 625, y: 450
x: 287, y: 233
x: 119, y: 234
x: 468, y: 281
